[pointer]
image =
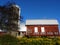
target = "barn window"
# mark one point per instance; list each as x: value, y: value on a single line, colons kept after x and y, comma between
x: 42, y: 29
x: 42, y: 33
x: 49, y: 33
x: 36, y: 29
x: 56, y: 33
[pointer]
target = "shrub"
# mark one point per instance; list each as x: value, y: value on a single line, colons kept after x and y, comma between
x: 8, y: 40
x: 40, y: 41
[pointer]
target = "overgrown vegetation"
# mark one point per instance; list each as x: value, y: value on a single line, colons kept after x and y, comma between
x: 10, y: 40
x: 40, y: 41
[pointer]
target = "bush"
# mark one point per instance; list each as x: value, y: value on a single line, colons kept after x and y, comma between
x: 8, y: 40
x: 39, y: 41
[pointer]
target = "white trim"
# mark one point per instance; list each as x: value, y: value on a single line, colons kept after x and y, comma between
x: 42, y: 29
x: 35, y: 29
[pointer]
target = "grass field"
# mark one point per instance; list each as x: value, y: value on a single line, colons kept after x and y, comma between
x: 10, y: 40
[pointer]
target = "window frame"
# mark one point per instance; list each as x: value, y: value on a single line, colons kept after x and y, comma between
x: 42, y: 29
x: 35, y: 29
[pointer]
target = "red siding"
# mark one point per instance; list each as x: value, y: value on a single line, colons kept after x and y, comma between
x: 48, y: 28
x: 2, y: 33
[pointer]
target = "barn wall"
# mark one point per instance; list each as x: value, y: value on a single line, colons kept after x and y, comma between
x: 48, y: 28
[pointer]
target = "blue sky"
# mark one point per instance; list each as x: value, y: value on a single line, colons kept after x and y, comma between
x: 38, y: 9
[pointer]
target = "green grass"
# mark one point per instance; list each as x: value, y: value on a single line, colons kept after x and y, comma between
x: 10, y: 40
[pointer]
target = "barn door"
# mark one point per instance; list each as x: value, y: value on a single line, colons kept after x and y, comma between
x: 42, y: 30
x: 36, y: 29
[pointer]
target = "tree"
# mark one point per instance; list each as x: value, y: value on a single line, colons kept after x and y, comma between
x: 9, y: 17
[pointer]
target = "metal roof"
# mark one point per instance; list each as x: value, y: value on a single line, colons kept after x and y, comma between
x: 42, y: 22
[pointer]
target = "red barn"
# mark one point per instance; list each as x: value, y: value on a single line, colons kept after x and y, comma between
x: 2, y: 32
x: 42, y: 27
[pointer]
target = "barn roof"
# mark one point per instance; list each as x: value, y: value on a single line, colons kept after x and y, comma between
x: 42, y: 22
